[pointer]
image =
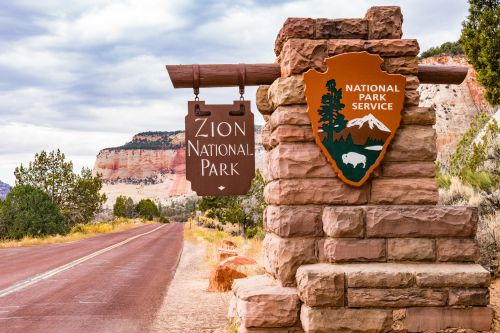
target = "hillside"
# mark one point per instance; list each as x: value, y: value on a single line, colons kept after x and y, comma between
x: 152, y: 165
x: 455, y: 105
x: 4, y: 190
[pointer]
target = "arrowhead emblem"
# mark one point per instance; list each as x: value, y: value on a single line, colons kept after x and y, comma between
x: 355, y: 110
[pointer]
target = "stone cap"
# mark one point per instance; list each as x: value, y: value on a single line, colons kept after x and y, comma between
x: 402, y: 275
x: 380, y: 22
x: 260, y: 286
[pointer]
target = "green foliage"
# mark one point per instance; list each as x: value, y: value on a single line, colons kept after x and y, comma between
x: 443, y: 180
x: 163, y: 219
x: 28, y: 211
x: 481, y: 44
x: 180, y: 211
x: 84, y: 198
x: 76, y: 195
x: 244, y: 210
x: 124, y: 207
x: 147, y: 209
x: 448, y: 48
x: 330, y: 117
x: 471, y: 153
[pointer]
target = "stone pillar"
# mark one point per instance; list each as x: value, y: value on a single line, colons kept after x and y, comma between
x: 379, y: 258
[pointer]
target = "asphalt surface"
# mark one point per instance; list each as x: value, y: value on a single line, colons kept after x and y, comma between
x: 119, y: 289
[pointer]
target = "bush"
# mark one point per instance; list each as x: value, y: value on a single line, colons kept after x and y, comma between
x: 77, y: 196
x: 28, y: 211
x: 147, y: 209
x: 124, y: 207
x: 244, y: 210
x: 163, y: 219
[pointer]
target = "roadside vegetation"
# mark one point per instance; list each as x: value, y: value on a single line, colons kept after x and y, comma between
x: 472, y: 177
x: 213, y: 238
x: 235, y: 214
x: 78, y: 232
x: 49, y: 198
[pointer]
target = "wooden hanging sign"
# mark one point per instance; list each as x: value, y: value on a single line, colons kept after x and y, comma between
x: 355, y: 110
x: 220, y: 148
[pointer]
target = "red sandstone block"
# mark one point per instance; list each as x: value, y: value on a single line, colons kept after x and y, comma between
x: 435, y: 319
x: 320, y: 285
x: 469, y: 297
x: 410, y: 249
x: 358, y: 250
x: 395, y: 298
x: 286, y: 133
x: 294, y: 221
x: 421, y: 221
x: 282, y: 256
x: 344, y: 221
x: 404, y: 191
x: 298, y: 160
x: 413, y: 143
x: 411, y: 169
x: 308, y: 28
x: 305, y: 191
x: 384, y: 22
x: 261, y: 302
x: 457, y: 250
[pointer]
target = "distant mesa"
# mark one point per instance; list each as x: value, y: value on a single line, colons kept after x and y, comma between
x: 4, y: 190
x: 152, y: 165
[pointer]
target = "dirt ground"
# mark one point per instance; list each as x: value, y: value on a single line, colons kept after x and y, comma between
x: 188, y: 306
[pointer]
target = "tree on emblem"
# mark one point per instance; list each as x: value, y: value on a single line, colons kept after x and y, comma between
x: 330, y: 117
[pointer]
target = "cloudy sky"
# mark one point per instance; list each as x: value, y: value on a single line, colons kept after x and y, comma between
x: 83, y: 75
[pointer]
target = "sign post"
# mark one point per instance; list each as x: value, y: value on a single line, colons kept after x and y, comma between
x: 220, y: 148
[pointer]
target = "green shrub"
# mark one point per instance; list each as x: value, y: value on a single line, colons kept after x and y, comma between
x: 28, y: 211
x: 443, y: 180
x: 147, y: 209
x: 77, y: 196
x: 124, y: 207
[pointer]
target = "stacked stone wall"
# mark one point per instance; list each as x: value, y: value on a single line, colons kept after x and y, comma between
x: 377, y: 258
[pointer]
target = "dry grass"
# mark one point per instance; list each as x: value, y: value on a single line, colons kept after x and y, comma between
x: 459, y: 194
x: 213, y: 239
x: 78, y: 232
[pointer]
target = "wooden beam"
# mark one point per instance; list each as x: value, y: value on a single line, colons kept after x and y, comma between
x: 223, y: 75
x: 443, y: 74
x: 229, y: 75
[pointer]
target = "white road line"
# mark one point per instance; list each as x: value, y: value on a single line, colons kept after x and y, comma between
x: 39, y: 277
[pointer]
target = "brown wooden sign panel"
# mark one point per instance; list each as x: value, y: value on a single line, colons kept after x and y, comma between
x: 220, y: 148
x: 355, y: 110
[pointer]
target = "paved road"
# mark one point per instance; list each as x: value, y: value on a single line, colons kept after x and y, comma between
x: 109, y: 283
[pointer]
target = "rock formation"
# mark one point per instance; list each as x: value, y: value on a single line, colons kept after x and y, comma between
x: 455, y: 105
x: 4, y: 190
x: 152, y: 165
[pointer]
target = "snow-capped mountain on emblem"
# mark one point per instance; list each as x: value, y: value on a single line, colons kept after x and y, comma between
x: 355, y: 110
x: 371, y: 120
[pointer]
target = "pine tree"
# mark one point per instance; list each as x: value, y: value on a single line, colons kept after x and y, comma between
x: 330, y: 117
x: 482, y: 46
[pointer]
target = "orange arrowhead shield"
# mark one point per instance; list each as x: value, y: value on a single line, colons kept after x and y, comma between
x: 355, y: 110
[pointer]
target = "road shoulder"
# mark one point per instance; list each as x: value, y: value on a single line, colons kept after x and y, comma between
x: 188, y: 306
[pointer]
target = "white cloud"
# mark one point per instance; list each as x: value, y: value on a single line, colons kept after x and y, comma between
x: 20, y: 142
